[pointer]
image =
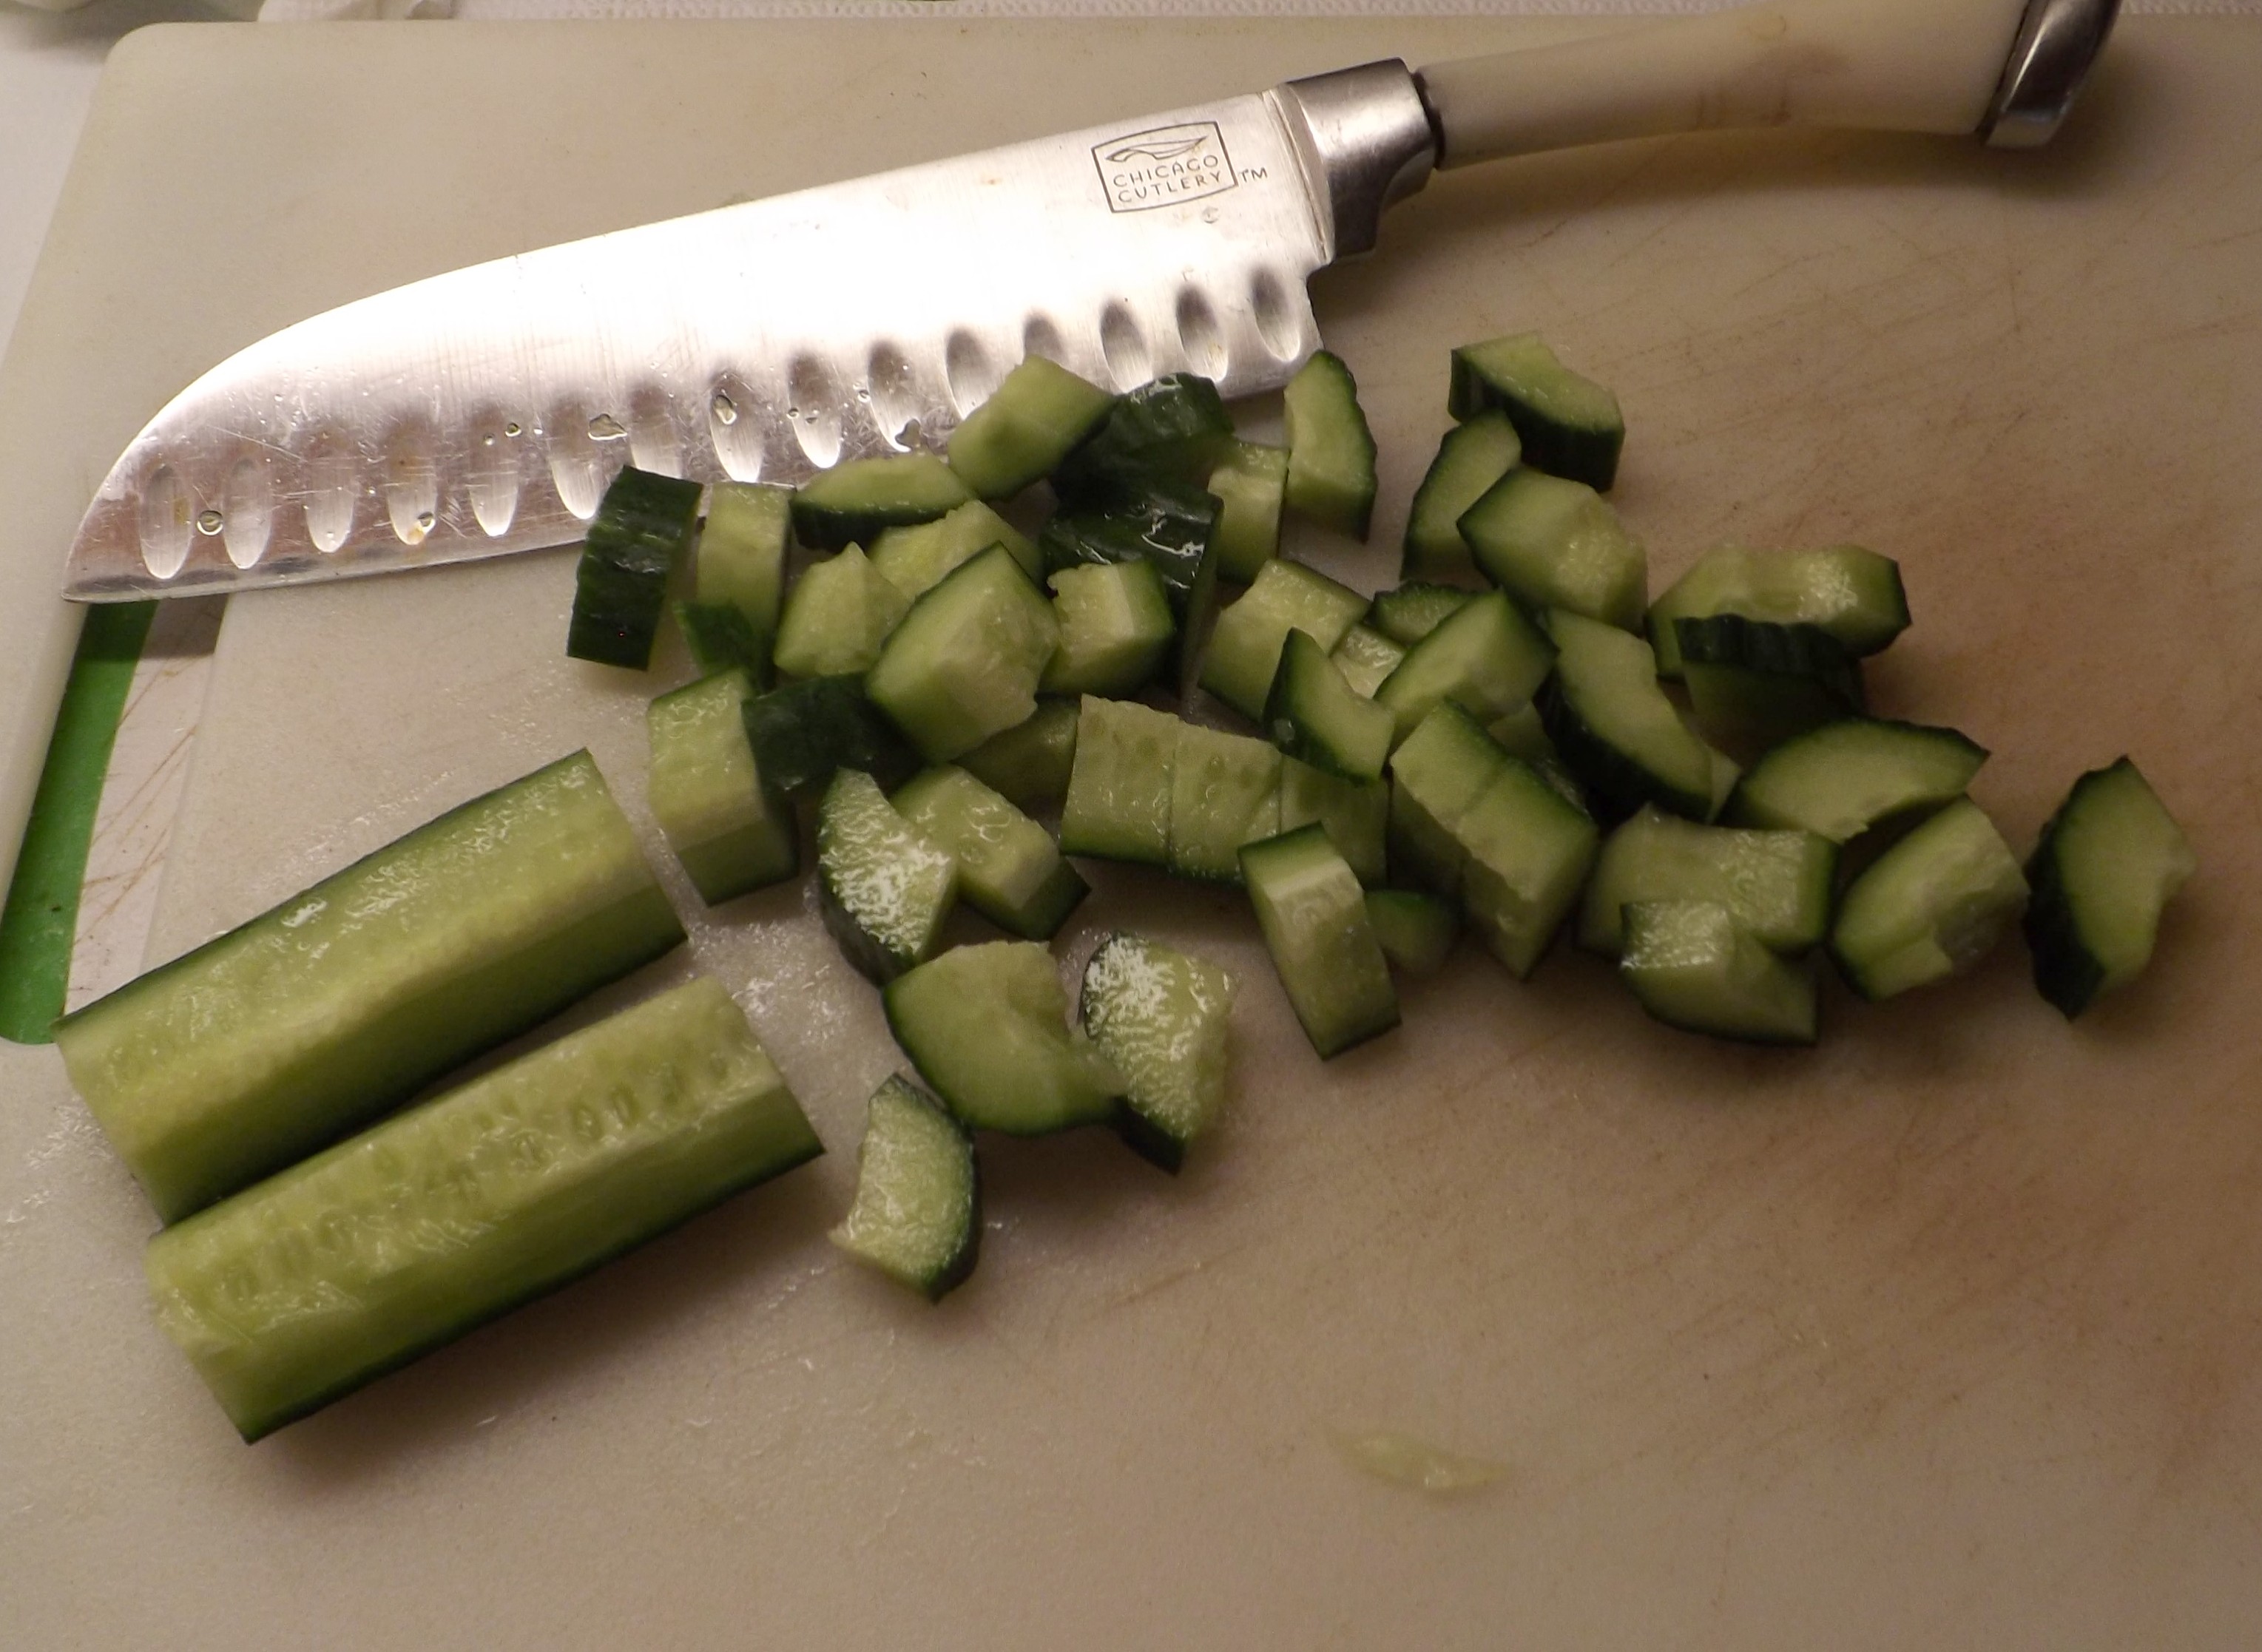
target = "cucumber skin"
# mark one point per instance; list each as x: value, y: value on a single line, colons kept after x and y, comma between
x: 1174, y: 428
x: 619, y: 585
x: 801, y: 733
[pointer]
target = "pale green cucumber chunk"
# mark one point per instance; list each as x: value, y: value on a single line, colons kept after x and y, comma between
x: 1250, y: 483
x: 1554, y: 543
x: 917, y: 1212
x: 1843, y: 778
x: 1416, y: 931
x: 987, y: 1027
x: 837, y: 618
x: 1162, y: 1017
x: 1116, y: 629
x: 1030, y: 762
x: 1522, y: 733
x: 1355, y: 813
x: 1225, y: 791
x: 338, y: 1269
x: 1436, y: 775
x: 851, y: 503
x: 1331, y: 450
x: 1486, y: 657
x: 1366, y: 659
x: 965, y: 662
x: 1570, y: 425
x: 2108, y: 861
x: 1614, y: 727
x: 1471, y: 458
x: 336, y: 1006
x: 1009, y: 868
x: 1313, y: 914
x: 730, y: 832
x: 1410, y: 612
x: 1775, y: 884
x: 1528, y: 850
x: 1119, y: 788
x: 884, y: 886
x: 1693, y: 967
x: 741, y: 557
x: 1027, y: 426
x: 1853, y: 594
x: 914, y: 558
x: 1316, y: 716
x: 1245, y: 649
x: 1930, y: 906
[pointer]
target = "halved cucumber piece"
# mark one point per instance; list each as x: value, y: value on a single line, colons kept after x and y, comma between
x: 1471, y: 458
x: 1416, y: 931
x: 1171, y: 525
x: 1754, y: 685
x: 1366, y: 658
x: 918, y: 1213
x: 316, y: 1017
x: 851, y: 503
x: 1313, y: 715
x: 1244, y: 652
x: 732, y: 832
x: 1313, y: 914
x: 1030, y: 762
x: 1356, y: 814
x: 1571, y: 426
x: 1331, y: 450
x: 1115, y: 628
x: 1930, y: 906
x: 883, y: 885
x: 801, y: 733
x: 965, y: 662
x: 1614, y: 727
x: 1843, y: 778
x: 643, y: 526
x: 1172, y: 430
x: 1437, y: 774
x: 1485, y: 656
x: 339, y: 1269
x: 1009, y: 868
x: 740, y: 555
x: 1853, y: 594
x: 1162, y: 1016
x: 1225, y: 791
x: 914, y: 558
x: 1251, y: 483
x: 837, y: 617
x: 987, y: 1027
x: 1027, y: 427
x: 1412, y: 611
x: 1118, y: 806
x: 721, y: 639
x: 1554, y: 543
x: 1693, y: 967
x: 2108, y: 861
x: 1774, y: 884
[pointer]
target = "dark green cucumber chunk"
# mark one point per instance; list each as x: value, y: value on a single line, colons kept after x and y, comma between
x: 1841, y: 780
x: 721, y: 639
x: 1313, y: 914
x: 914, y: 558
x: 1694, y: 967
x: 883, y: 885
x: 1412, y: 611
x: 1355, y: 814
x: 917, y: 1212
x: 1774, y: 884
x: 1028, y: 426
x: 1331, y: 450
x: 1251, y: 483
x: 801, y: 733
x: 1030, y: 762
x: 620, y: 586
x: 1570, y: 425
x: 1225, y: 791
x: 334, y: 1007
x: 1366, y: 658
x: 1416, y: 931
x: 1314, y: 716
x: 1486, y: 657
x: 1118, y: 806
x: 851, y: 503
x: 1244, y: 650
x: 1009, y: 868
x: 732, y: 832
x: 741, y: 557
x: 1614, y: 727
x: 987, y: 1027
x: 1174, y: 429
x: 1116, y: 629
x: 837, y: 618
x: 1930, y: 906
x: 1754, y: 685
x: 965, y: 662
x: 1554, y: 543
x: 1471, y: 458
x: 1162, y: 1017
x: 1853, y: 594
x: 340, y: 1268
x: 2108, y: 861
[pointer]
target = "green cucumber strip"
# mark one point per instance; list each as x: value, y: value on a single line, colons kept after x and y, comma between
x: 1693, y: 967
x: 741, y: 557
x: 1436, y: 775
x: 1355, y: 813
x: 1162, y: 1017
x: 1550, y: 542
x: 1174, y: 429
x: 1853, y: 594
x: 965, y: 662
x: 1118, y: 806
x: 1225, y: 791
x: 1570, y: 425
x: 317, y: 1015
x: 801, y: 733
x: 643, y: 526
x: 1116, y: 629
x: 1331, y: 450
x: 1313, y: 914
x: 2108, y: 861
x: 1471, y: 458
x: 987, y: 1027
x: 1843, y: 778
x: 1030, y: 762
x: 1411, y: 612
x: 1028, y: 425
x: 1009, y: 868
x: 1615, y: 728
x: 1244, y: 650
x: 1930, y: 906
x: 1416, y: 931
x: 302, y: 1289
x: 1366, y: 658
x: 838, y: 616
x: 917, y: 1212
x: 883, y: 886
x: 1754, y: 685
x: 1486, y: 657
x: 40, y: 920
x: 914, y: 558
x: 851, y: 503
x: 1251, y: 485
x: 1528, y: 850
x: 721, y: 639
x: 731, y: 833
x: 1776, y: 885
x: 1313, y: 715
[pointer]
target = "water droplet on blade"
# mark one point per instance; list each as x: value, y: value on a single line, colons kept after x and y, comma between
x: 208, y: 523
x: 605, y: 427
x: 724, y: 410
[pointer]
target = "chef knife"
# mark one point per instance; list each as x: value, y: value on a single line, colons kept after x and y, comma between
x: 482, y: 412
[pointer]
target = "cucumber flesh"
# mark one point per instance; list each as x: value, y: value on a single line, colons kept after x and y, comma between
x: 1244, y: 652
x: 837, y: 618
x: 1553, y: 544
x: 1754, y: 685
x: 1776, y: 885
x: 312, y: 1019
x: 1416, y: 931
x: 1412, y: 611
x: 740, y: 555
x: 1331, y: 450
x: 1162, y: 1017
x: 1313, y: 715
x: 883, y: 885
x: 1616, y: 730
x: 1116, y: 629
x: 1251, y: 485
x: 1355, y: 814
x: 1485, y: 656
x: 1225, y: 791
x: 1028, y: 425
x: 965, y: 662
x: 1853, y: 594
x: 731, y: 833
x: 1570, y: 425
x: 801, y: 732
x: 1471, y: 458
x: 852, y: 503
x: 1313, y: 914
x: 1930, y: 906
x: 1118, y: 806
x: 1366, y: 658
x: 1009, y: 868
x: 918, y: 1213
x: 643, y: 526
x: 914, y: 558
x: 343, y: 1268
x: 1693, y: 967
x: 1029, y: 764
x: 1839, y: 780
x: 2108, y: 861
x: 1437, y: 772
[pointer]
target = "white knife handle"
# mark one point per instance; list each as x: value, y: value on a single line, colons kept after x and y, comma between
x: 1938, y: 66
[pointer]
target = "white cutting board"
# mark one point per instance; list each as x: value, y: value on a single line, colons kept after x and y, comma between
x: 1949, y: 1334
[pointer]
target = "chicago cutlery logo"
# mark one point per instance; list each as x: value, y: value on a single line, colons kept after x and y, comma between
x: 1164, y: 166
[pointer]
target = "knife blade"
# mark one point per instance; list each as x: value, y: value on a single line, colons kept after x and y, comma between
x: 482, y: 412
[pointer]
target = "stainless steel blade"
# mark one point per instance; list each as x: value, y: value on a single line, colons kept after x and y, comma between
x: 483, y: 411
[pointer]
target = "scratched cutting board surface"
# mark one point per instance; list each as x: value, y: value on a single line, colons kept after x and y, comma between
x: 1949, y: 1334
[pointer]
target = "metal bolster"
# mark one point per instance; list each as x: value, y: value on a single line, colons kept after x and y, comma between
x: 1365, y: 140
x: 2057, y: 41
